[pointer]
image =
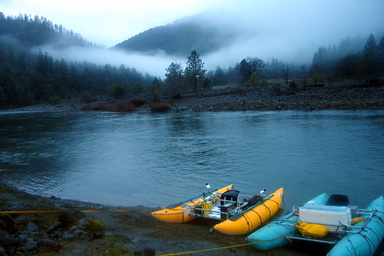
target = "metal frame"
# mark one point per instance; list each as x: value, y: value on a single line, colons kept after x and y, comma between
x: 215, y: 212
x: 340, y: 231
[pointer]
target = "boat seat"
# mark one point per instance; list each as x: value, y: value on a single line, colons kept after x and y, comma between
x: 230, y: 195
x: 337, y: 200
x: 254, y: 200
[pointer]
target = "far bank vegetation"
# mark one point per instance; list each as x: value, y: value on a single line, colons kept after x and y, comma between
x: 28, y: 77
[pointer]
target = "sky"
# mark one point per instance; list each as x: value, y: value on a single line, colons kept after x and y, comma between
x: 290, y: 30
x: 108, y: 22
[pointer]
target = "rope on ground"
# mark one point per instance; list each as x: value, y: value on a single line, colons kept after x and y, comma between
x: 55, y: 211
x: 221, y: 248
x: 206, y: 250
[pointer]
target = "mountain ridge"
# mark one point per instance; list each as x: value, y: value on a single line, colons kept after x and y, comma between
x: 37, y: 31
x: 199, y: 32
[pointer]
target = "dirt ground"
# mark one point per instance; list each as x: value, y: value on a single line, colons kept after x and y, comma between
x: 194, y: 238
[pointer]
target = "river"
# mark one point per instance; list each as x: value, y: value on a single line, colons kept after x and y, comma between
x: 155, y: 160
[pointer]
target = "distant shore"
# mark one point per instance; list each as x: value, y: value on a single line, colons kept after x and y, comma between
x: 348, y: 97
x: 344, y: 96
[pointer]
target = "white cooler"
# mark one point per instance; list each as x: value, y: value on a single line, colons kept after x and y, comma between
x: 330, y: 216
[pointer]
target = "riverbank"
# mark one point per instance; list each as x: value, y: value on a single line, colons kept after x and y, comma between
x: 354, y: 96
x: 66, y: 227
x: 367, y: 95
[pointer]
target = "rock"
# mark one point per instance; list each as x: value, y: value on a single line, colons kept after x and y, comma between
x: 8, y: 241
x: 67, y: 236
x: 53, y: 227
x: 48, y: 245
x: 57, y: 234
x: 7, y: 224
x: 28, y: 249
x: 23, y: 238
x: 145, y: 252
x: 80, y: 234
x: 32, y: 227
x: 70, y: 218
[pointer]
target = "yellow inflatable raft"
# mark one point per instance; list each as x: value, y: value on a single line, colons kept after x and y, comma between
x: 237, y: 216
x: 185, y: 211
x: 251, y: 218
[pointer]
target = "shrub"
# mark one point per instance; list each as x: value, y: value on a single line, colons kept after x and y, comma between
x: 117, y: 91
x: 93, y: 227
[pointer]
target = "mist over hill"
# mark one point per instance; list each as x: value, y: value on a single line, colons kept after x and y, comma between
x: 288, y: 31
x: 200, y: 32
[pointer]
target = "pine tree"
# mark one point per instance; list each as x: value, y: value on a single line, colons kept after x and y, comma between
x: 370, y: 55
x: 195, y: 71
x: 380, y: 54
x: 173, y: 78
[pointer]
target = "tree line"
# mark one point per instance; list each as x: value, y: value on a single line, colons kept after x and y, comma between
x: 34, y: 31
x: 353, y: 58
x: 28, y: 78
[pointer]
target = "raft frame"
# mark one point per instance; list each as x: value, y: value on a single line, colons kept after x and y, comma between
x: 341, y: 230
x: 223, y: 209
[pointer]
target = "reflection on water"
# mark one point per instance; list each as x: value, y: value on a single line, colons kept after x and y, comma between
x: 160, y: 159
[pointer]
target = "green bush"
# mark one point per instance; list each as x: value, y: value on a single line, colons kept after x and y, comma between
x: 118, y: 91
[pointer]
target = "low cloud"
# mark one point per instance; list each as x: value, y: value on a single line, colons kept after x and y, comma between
x: 290, y: 31
x: 152, y: 64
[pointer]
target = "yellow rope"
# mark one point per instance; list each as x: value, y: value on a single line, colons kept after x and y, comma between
x: 55, y: 211
x: 206, y: 250
x: 221, y: 248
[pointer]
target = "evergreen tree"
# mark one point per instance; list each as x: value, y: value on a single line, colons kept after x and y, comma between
x: 370, y: 56
x: 350, y: 65
x: 380, y: 55
x: 154, y: 89
x: 195, y: 71
x: 244, y: 70
x: 220, y: 78
x: 173, y: 78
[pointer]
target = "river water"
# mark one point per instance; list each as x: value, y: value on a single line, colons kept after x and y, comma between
x: 156, y: 160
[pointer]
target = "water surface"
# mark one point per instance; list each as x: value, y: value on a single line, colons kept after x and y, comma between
x: 159, y: 159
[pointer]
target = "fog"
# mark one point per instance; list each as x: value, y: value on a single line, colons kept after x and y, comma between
x: 290, y: 31
x: 154, y: 65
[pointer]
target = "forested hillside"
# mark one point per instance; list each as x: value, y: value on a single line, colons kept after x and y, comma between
x: 36, y: 31
x: 181, y: 37
x: 29, y: 77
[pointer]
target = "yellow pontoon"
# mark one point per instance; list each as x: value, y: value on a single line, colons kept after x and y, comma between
x: 185, y: 211
x: 238, y: 216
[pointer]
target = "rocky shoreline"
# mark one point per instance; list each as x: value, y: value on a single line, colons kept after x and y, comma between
x: 36, y: 225
x: 355, y: 96
x: 367, y: 95
x: 71, y: 228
